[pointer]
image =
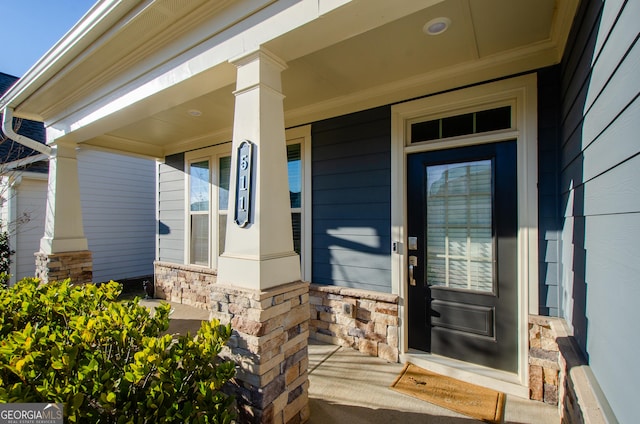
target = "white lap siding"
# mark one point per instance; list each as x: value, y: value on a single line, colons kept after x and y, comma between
x: 30, y: 197
x: 171, y: 210
x: 118, y: 207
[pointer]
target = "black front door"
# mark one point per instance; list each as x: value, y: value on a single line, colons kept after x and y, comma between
x: 462, y: 253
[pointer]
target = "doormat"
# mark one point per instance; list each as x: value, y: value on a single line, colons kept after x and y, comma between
x: 468, y: 399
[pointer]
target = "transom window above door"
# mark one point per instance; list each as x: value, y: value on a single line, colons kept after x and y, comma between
x: 478, y: 122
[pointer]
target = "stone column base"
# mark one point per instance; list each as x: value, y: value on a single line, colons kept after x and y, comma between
x: 77, y: 266
x: 270, y: 347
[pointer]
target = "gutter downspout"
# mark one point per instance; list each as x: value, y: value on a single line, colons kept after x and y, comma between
x: 12, y: 181
x: 7, y: 129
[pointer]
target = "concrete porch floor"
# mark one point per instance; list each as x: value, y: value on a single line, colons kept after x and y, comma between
x: 351, y: 388
x: 347, y: 387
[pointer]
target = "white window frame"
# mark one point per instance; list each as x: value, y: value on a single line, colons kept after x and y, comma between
x: 301, y: 135
x: 211, y: 154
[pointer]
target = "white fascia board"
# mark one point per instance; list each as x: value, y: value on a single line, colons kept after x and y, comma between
x: 215, y: 52
x: 101, y: 16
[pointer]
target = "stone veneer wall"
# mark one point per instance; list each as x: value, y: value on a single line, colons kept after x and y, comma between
x: 559, y: 374
x: 360, y: 319
x: 270, y: 346
x: 544, y: 361
x: 186, y: 284
x: 77, y: 266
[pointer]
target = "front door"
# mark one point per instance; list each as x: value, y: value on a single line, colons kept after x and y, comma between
x: 462, y: 253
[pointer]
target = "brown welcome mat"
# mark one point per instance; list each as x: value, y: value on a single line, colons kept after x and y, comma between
x: 468, y: 399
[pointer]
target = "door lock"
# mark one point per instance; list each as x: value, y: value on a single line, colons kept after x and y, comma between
x: 413, y: 262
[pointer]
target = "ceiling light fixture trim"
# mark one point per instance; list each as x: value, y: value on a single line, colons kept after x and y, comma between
x: 436, y: 26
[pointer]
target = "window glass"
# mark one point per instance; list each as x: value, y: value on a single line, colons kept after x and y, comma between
x: 222, y: 231
x: 199, y: 196
x: 294, y: 164
x: 223, y: 186
x: 223, y: 199
x: 464, y: 124
x: 199, y: 183
x: 296, y: 223
x: 424, y: 131
x: 459, y: 226
x: 200, y: 239
x: 454, y: 126
x: 494, y: 119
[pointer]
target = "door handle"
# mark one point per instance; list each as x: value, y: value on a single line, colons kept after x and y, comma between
x: 413, y: 262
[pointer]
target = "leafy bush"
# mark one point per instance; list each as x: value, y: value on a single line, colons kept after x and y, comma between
x: 106, y: 360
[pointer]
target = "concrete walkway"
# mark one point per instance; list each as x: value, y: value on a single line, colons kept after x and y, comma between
x: 347, y: 387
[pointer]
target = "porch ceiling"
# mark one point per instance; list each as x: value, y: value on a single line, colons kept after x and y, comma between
x: 359, y: 55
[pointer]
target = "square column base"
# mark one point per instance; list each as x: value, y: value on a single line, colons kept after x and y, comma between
x: 270, y: 346
x: 244, y: 271
x: 77, y: 266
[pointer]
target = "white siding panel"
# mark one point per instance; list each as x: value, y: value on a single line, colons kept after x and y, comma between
x: 118, y: 205
x: 177, y: 197
x: 171, y: 210
x: 31, y: 199
x: 172, y: 185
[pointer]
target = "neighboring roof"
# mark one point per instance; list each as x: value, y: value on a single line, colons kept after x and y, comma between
x: 6, y: 81
x: 10, y: 151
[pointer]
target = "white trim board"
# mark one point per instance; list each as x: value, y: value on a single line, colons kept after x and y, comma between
x: 521, y: 93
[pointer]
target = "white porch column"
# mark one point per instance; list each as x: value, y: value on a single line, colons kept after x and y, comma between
x: 63, y: 249
x: 260, y: 255
x: 258, y: 289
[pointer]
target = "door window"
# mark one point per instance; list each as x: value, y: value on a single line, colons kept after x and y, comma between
x: 459, y: 226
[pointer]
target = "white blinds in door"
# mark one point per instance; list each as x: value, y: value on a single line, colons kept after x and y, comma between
x: 459, y: 226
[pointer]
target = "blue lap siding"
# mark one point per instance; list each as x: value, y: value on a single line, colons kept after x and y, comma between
x: 599, y: 196
x: 351, y: 196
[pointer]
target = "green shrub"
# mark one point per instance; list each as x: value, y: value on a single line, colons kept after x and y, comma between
x: 107, y: 360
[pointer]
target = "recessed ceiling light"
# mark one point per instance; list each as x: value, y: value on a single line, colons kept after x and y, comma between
x: 436, y: 26
x: 194, y: 112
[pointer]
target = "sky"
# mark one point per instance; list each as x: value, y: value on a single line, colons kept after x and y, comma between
x: 31, y: 27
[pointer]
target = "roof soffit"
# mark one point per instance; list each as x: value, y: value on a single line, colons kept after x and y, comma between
x: 340, y: 58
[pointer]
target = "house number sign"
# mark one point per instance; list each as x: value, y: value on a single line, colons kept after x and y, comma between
x: 243, y: 183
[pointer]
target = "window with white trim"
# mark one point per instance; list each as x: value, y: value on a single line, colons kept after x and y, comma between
x: 199, y: 206
x: 209, y: 173
x: 294, y: 167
